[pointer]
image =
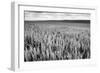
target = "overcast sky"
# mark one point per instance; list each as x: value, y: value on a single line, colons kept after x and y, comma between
x: 37, y: 15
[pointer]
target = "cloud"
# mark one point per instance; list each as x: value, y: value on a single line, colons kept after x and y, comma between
x: 34, y: 16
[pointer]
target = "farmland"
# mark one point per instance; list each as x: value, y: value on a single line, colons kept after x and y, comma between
x: 56, y: 40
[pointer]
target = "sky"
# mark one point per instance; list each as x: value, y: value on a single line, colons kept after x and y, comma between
x: 39, y: 15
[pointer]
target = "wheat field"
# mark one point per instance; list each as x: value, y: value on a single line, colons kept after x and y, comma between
x: 56, y: 41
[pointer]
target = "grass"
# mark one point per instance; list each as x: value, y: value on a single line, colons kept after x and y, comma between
x: 42, y: 42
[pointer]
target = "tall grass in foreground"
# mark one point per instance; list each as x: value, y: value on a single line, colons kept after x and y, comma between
x: 41, y: 45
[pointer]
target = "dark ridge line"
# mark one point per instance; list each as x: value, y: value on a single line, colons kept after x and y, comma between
x: 72, y: 21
